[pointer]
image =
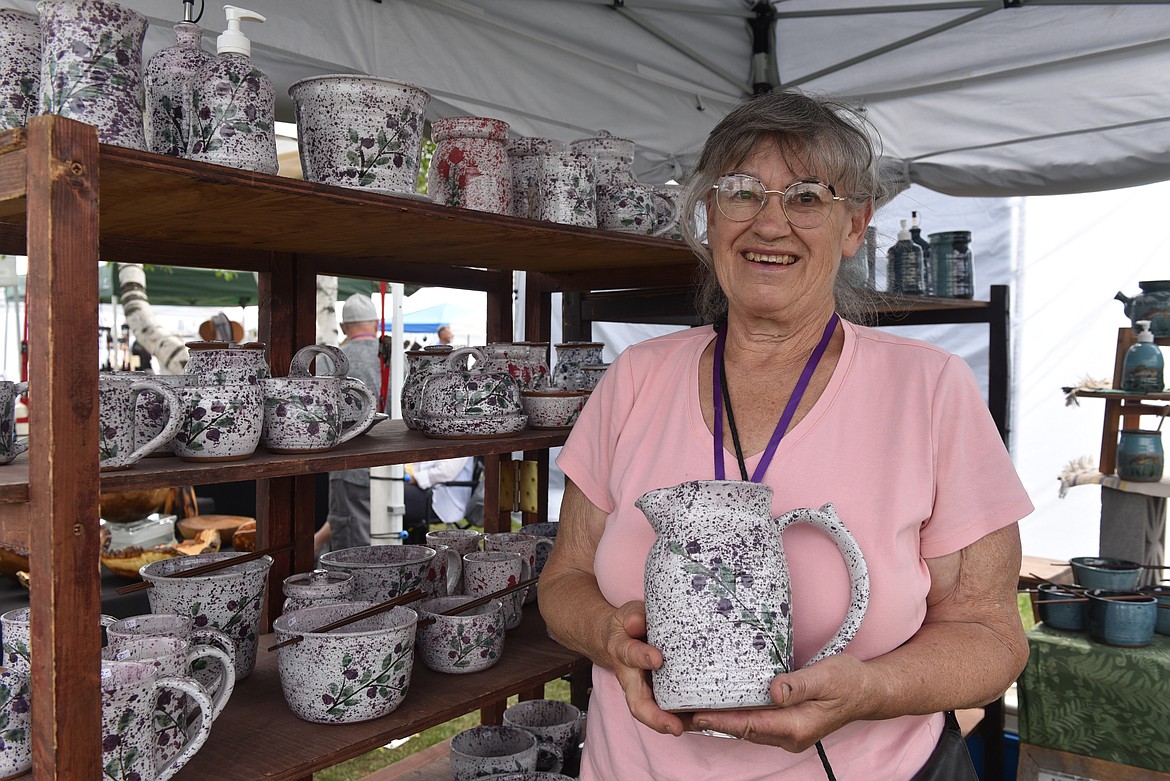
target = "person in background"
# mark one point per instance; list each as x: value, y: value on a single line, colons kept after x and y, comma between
x: 893, y: 432
x: 427, y: 497
x: 445, y: 334
x: 348, y: 522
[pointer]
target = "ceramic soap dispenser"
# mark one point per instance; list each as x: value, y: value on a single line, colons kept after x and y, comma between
x: 905, y: 267
x: 1142, y: 368
x: 233, y: 104
x: 168, y: 78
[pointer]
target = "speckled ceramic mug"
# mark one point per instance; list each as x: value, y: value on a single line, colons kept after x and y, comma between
x: 118, y: 393
x: 151, y: 414
x: 131, y: 692
x: 718, y: 592
x: 554, y: 723
x: 531, y: 547
x: 175, y: 657
x: 227, y: 599
x: 486, y: 572
x: 488, y: 750
x: 15, y: 723
x: 183, y: 628
x: 360, y: 131
x: 462, y: 541
x: 219, y: 422
x: 11, y: 446
x: 357, y: 672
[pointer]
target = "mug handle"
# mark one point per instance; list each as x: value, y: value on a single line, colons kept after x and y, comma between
x: 549, y: 758
x: 211, y: 636
x: 18, y: 445
x: 672, y: 214
x: 193, y: 690
x: 826, y: 520
x: 174, y: 418
x: 351, y: 386
x: 304, y: 359
x: 227, y: 682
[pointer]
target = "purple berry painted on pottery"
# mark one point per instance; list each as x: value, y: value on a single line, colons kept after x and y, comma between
x: 463, y: 643
x: 20, y: 67
x: 168, y: 78
x: 381, y: 572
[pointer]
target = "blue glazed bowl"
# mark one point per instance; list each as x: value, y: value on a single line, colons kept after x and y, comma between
x: 1072, y: 617
x: 1162, y: 594
x: 1109, y: 574
x: 1122, y: 618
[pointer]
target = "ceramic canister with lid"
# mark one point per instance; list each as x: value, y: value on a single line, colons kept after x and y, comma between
x: 91, y: 67
x: 469, y: 167
x: 20, y: 67
x: 1139, y: 456
x: 954, y: 269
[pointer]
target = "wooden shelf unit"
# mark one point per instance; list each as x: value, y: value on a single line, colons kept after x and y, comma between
x: 66, y: 202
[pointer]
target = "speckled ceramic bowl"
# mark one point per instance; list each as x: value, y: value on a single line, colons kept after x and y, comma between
x: 554, y: 723
x: 381, y: 572
x: 534, y: 775
x: 1113, y: 574
x: 553, y: 407
x: 1122, y: 618
x: 463, y: 643
x: 356, y: 672
x: 492, y: 749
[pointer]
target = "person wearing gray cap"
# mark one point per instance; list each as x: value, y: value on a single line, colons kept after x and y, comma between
x: 348, y: 522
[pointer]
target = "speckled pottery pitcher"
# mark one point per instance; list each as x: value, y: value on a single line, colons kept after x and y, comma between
x: 20, y: 67
x: 420, y: 364
x: 469, y: 167
x: 91, y: 67
x: 360, y: 131
x: 571, y: 194
x: 718, y: 601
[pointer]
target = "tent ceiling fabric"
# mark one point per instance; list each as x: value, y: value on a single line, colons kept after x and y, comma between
x: 970, y: 97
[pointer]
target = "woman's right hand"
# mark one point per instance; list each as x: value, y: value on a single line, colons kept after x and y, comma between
x: 631, y: 660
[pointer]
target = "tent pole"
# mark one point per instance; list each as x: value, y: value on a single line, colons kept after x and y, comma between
x: 387, y: 506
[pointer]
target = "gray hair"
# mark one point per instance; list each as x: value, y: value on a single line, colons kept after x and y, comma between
x: 825, y: 136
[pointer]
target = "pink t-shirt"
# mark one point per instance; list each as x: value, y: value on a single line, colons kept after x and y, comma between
x: 901, y: 442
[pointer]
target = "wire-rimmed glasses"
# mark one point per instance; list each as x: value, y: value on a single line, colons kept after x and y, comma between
x: 806, y: 202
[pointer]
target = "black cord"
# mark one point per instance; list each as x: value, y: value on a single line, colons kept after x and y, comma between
x: 744, y: 474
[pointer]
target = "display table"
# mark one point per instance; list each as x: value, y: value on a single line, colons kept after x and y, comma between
x: 1095, y: 700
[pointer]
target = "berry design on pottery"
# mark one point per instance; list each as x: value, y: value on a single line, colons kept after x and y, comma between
x: 381, y: 150
x: 14, y: 722
x: 353, y: 685
x: 321, y: 418
x: 205, y: 423
x: 456, y: 173
x: 470, y: 167
x: 20, y: 67
x: 215, y: 123
x: 91, y: 67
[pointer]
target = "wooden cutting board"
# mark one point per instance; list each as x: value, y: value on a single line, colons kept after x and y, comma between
x: 226, y: 525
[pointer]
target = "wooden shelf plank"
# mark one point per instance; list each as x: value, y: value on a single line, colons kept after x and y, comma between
x: 292, y: 749
x: 1118, y: 395
x: 389, y: 442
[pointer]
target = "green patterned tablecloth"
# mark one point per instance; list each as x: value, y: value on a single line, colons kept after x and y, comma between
x: 1096, y: 700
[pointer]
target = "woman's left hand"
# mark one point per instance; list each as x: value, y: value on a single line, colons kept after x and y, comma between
x: 810, y: 704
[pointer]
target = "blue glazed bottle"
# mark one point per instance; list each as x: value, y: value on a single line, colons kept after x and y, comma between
x: 905, y: 272
x: 1139, y: 456
x: 928, y: 286
x: 1143, y: 367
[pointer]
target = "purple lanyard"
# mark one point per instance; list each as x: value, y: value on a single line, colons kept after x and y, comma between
x: 789, y: 410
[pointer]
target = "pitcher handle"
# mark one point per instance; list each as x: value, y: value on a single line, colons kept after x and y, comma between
x: 174, y: 418
x: 227, y: 682
x: 827, y: 520
x: 304, y: 359
x: 193, y: 690
x: 351, y: 386
x: 673, y: 212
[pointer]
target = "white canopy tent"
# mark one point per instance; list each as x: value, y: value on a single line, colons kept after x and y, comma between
x: 971, y: 97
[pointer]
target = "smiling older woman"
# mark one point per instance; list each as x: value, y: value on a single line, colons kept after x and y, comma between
x: 893, y: 432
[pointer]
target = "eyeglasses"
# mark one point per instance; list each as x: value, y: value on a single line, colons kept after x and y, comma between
x: 806, y: 202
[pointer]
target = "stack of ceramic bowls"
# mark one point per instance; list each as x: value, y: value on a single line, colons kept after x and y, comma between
x: 1105, y: 601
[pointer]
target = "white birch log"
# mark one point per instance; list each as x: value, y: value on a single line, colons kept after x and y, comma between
x: 161, y: 343
x: 327, y: 310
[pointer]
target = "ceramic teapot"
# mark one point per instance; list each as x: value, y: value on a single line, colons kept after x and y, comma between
x: 718, y: 594
x: 1153, y: 304
x: 462, y: 403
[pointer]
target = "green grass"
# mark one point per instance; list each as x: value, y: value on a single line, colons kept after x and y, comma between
x: 379, y: 758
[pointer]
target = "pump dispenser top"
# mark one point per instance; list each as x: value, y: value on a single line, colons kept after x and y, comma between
x: 1144, y: 333
x: 903, y: 234
x: 232, y: 40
